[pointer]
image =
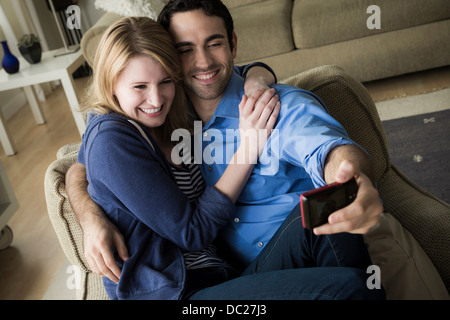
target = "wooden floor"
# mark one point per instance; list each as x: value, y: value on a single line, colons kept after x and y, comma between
x: 29, y: 265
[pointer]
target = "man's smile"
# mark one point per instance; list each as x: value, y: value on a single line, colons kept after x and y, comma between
x: 206, y: 76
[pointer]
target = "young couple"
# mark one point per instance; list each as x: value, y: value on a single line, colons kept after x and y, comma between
x: 239, y: 236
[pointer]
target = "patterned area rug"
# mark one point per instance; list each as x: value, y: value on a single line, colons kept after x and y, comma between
x: 420, y: 146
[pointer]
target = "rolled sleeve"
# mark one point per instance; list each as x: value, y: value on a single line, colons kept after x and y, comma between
x: 308, y: 133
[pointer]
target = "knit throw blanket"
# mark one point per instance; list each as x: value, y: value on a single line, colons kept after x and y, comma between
x: 129, y: 8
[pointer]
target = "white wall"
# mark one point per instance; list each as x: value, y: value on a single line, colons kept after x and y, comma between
x: 11, y: 100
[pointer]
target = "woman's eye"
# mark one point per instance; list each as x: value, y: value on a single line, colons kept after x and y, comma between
x: 140, y: 87
x: 166, y: 81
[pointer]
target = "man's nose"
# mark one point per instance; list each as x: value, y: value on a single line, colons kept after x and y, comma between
x: 203, y: 59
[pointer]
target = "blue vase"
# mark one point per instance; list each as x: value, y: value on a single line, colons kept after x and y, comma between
x: 9, y: 63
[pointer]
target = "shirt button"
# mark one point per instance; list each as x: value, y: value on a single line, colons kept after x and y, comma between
x: 260, y: 244
x: 209, y: 169
x: 236, y: 220
x: 205, y: 134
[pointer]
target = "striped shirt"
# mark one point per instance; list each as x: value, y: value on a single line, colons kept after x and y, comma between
x: 190, y: 180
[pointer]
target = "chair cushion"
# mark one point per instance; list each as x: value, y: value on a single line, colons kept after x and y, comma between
x: 407, y: 273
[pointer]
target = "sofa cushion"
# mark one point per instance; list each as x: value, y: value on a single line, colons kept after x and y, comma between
x: 263, y: 29
x: 237, y: 3
x: 91, y: 39
x: 320, y: 22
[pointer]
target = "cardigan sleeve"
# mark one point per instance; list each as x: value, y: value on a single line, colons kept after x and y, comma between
x: 124, y: 172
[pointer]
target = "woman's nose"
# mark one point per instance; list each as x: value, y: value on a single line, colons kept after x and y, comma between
x: 154, y: 97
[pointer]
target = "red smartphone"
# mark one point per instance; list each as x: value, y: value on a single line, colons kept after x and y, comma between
x: 316, y: 205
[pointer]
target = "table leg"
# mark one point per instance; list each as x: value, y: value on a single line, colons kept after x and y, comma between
x: 34, y: 105
x: 8, y: 145
x: 68, y: 85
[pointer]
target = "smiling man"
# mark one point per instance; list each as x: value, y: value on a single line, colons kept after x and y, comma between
x: 312, y: 146
x: 207, y: 57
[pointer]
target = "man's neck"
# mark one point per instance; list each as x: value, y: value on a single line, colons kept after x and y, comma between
x: 204, y: 108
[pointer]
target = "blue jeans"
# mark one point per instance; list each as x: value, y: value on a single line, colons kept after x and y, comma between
x: 295, y: 264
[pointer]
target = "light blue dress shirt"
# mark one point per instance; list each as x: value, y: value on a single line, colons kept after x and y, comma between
x: 292, y: 162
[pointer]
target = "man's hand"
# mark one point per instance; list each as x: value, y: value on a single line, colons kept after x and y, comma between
x: 100, y: 237
x: 363, y: 213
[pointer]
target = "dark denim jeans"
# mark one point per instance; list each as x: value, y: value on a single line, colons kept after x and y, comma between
x: 295, y: 264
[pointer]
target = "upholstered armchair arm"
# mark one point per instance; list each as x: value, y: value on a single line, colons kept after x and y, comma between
x: 423, y: 215
x: 70, y: 236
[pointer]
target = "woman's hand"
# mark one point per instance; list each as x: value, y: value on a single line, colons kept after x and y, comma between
x: 257, y: 79
x: 257, y: 117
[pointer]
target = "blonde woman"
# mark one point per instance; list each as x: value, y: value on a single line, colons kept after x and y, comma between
x: 138, y: 100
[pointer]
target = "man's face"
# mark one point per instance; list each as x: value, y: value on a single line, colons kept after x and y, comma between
x: 206, y: 57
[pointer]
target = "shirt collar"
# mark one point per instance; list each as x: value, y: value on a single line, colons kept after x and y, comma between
x: 229, y: 104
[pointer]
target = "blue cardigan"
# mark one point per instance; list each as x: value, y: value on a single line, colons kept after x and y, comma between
x: 134, y: 185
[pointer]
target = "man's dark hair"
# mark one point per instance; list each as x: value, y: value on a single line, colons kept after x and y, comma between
x: 209, y: 8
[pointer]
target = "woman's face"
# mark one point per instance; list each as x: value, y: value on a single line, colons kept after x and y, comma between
x: 145, y: 91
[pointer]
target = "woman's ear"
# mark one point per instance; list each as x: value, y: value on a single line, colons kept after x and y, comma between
x: 116, y: 100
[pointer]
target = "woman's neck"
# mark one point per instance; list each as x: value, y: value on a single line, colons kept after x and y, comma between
x: 165, y: 145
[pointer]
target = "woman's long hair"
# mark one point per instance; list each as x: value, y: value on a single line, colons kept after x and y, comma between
x: 127, y: 38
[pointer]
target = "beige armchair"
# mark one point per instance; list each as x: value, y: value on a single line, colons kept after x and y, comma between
x: 424, y: 216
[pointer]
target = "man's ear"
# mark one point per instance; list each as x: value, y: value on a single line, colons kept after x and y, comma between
x: 234, y: 41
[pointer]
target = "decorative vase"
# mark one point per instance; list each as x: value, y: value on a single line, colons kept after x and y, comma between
x: 32, y: 53
x: 10, y: 62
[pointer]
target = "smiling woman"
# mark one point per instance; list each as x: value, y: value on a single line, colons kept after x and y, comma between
x: 128, y: 64
x: 145, y: 91
x: 141, y: 190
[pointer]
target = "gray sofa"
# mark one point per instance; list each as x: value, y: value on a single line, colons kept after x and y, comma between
x: 296, y: 35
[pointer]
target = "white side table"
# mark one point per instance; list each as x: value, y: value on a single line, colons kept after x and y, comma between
x: 8, y: 206
x: 49, y: 69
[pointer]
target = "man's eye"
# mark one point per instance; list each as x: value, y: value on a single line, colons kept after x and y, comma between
x: 184, y: 51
